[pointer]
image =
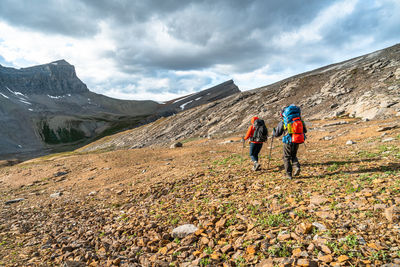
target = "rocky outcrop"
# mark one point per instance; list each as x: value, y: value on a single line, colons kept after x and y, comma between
x: 55, y: 78
x: 365, y: 87
x: 217, y: 92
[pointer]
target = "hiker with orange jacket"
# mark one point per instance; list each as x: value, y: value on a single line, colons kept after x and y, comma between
x: 258, y: 134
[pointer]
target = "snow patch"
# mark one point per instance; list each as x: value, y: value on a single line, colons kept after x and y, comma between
x: 19, y: 146
x: 55, y: 97
x: 54, y: 63
x: 180, y: 99
x: 30, y: 109
x: 183, y: 106
x: 4, y: 96
x: 16, y: 93
x: 198, y: 98
x: 69, y: 95
x: 25, y: 102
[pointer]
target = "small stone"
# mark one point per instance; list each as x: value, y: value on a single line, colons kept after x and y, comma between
x: 282, y: 237
x: 57, y: 174
x: 251, y: 250
x: 215, y: 256
x: 184, y: 230
x: 303, y: 262
x: 390, y: 139
x: 296, y: 252
x: 325, y: 215
x: 14, y: 201
x: 204, y: 240
x: 226, y: 248
x: 73, y: 264
x: 266, y: 263
x: 318, y: 200
x: 392, y: 214
x: 304, y: 228
x: 220, y: 223
x: 325, y: 249
x: 320, y: 226
x: 343, y: 258
x: 163, y: 250
x: 177, y: 144
x: 327, y: 258
x: 55, y: 195
x: 383, y: 129
x: 311, y: 247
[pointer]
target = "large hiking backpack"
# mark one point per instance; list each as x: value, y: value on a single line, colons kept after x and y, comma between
x: 293, y: 124
x: 260, y: 131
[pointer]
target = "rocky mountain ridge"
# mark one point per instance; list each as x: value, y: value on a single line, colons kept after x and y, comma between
x: 56, y: 78
x: 366, y: 87
x: 48, y: 108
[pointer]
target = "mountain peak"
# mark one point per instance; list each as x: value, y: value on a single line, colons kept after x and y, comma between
x: 55, y: 78
x: 60, y: 62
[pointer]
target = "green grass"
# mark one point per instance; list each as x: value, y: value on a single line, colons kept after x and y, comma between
x: 281, y: 250
x: 234, y: 159
x: 274, y: 220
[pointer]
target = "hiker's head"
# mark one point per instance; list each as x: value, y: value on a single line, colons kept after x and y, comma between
x: 254, y: 119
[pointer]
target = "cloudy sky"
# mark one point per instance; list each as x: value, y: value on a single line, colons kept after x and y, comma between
x: 162, y: 49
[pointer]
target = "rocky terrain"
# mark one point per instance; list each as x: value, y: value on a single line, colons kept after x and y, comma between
x: 125, y: 207
x: 131, y: 200
x: 365, y: 87
x: 48, y: 108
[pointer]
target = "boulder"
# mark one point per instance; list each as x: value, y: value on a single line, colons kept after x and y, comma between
x: 184, y: 230
x: 177, y: 144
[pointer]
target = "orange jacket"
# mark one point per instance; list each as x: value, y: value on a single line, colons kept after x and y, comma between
x: 250, y: 131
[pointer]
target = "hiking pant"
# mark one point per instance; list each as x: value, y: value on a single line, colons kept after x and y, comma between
x: 255, y: 150
x: 290, y: 157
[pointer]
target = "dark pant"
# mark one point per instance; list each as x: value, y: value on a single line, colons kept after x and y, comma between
x: 290, y: 157
x: 254, y: 151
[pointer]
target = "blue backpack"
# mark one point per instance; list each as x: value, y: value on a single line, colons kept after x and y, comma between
x: 293, y: 124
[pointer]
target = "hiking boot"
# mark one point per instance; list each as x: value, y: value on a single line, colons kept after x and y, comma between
x: 256, y: 166
x: 288, y: 176
x: 296, y: 171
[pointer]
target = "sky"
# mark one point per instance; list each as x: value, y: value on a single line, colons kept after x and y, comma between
x: 163, y: 49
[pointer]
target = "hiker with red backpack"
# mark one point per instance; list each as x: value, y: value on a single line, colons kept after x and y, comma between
x: 258, y: 134
x: 293, y: 130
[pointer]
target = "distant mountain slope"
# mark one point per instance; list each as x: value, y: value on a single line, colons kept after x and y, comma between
x: 366, y: 87
x: 48, y: 108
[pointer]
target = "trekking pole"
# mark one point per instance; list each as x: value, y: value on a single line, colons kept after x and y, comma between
x: 270, y: 151
x: 243, y: 145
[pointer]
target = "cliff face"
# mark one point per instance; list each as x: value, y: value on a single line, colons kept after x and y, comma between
x: 55, y: 78
x: 365, y: 87
x: 48, y: 108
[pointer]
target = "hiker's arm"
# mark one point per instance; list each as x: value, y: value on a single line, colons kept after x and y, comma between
x: 304, y: 128
x: 278, y: 131
x: 248, y: 134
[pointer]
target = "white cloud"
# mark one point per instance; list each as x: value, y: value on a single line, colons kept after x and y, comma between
x: 313, y: 32
x: 25, y: 48
x: 163, y: 51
